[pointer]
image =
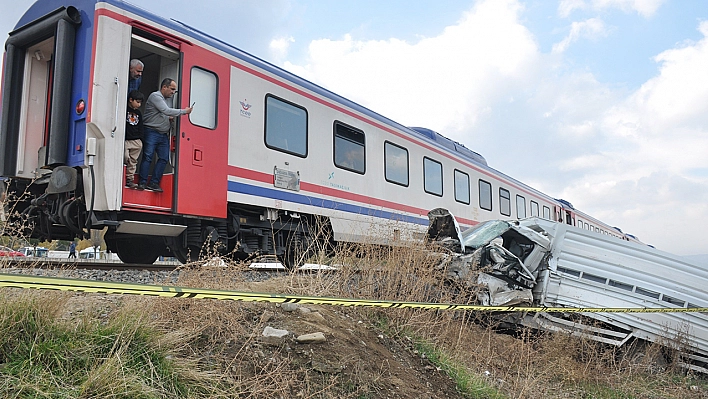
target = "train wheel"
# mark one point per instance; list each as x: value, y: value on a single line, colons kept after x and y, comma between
x: 142, y: 249
x: 298, y: 249
x: 186, y: 255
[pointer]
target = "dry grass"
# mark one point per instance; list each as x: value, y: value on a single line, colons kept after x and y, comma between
x: 214, y: 349
x: 524, y: 365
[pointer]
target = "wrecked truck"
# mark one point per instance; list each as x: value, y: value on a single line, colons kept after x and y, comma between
x: 540, y: 263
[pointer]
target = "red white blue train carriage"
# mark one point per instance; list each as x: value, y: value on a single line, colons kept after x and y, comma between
x: 263, y: 154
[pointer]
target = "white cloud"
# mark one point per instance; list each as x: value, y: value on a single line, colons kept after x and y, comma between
x: 566, y: 7
x: 444, y: 82
x: 680, y: 92
x: 627, y: 158
x: 279, y: 47
x: 669, y: 109
x: 654, y: 141
x: 645, y: 8
x: 591, y: 28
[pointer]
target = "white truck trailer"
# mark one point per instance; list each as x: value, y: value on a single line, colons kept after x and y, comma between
x: 541, y: 263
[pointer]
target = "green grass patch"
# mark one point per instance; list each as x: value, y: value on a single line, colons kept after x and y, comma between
x: 469, y: 384
x: 44, y: 357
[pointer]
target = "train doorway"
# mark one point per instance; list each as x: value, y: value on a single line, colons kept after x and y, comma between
x: 194, y: 181
x: 159, y: 62
x: 35, y: 118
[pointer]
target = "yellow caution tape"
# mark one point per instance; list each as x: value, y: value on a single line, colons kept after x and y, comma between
x: 105, y: 287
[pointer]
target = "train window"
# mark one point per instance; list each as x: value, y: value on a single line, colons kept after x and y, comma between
x: 504, y: 202
x: 462, y: 187
x: 349, y: 148
x: 203, y: 92
x: 547, y: 213
x: 396, y: 164
x: 520, y: 207
x: 534, y: 209
x: 285, y: 126
x: 432, y: 177
x: 485, y: 195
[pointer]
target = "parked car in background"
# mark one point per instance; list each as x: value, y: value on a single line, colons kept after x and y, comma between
x: 37, y: 252
x: 5, y: 251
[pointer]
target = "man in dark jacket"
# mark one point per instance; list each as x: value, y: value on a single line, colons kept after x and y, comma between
x: 72, y: 250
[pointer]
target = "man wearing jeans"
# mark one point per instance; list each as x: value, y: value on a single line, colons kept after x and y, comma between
x: 157, y: 122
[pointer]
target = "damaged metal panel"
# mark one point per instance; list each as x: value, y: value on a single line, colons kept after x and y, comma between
x: 543, y: 263
x: 593, y: 270
x: 489, y: 258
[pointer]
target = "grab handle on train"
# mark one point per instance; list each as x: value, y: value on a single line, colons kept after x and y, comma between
x: 115, y: 125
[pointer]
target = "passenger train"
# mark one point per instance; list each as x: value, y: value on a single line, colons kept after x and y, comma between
x: 263, y: 158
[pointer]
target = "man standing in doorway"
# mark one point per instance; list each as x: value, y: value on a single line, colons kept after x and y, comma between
x: 157, y: 123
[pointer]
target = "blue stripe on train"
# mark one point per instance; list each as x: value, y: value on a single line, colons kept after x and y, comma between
x: 293, y: 197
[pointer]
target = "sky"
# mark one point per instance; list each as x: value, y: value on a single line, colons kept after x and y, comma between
x: 599, y: 102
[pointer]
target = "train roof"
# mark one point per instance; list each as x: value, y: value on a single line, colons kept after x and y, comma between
x: 42, y: 7
x: 565, y: 203
x: 451, y: 145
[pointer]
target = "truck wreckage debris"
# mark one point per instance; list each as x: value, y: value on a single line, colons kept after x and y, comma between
x: 538, y: 262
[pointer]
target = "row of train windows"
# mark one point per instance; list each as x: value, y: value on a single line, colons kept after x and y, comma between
x: 286, y: 130
x: 485, y: 201
x: 590, y: 227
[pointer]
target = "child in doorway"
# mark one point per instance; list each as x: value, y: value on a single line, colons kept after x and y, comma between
x: 133, y: 136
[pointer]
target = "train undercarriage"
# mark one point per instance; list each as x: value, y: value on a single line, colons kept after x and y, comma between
x: 55, y: 208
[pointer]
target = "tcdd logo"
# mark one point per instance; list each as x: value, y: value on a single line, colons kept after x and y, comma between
x: 245, y: 106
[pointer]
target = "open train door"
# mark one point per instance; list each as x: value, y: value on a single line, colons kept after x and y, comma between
x: 202, y: 138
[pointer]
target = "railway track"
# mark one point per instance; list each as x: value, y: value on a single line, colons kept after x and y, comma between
x: 167, y: 273
x: 83, y: 264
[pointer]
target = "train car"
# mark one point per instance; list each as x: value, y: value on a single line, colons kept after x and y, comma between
x: 265, y: 163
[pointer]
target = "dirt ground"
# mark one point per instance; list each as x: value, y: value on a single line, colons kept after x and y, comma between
x: 357, y: 359
x: 362, y: 355
x: 368, y: 353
